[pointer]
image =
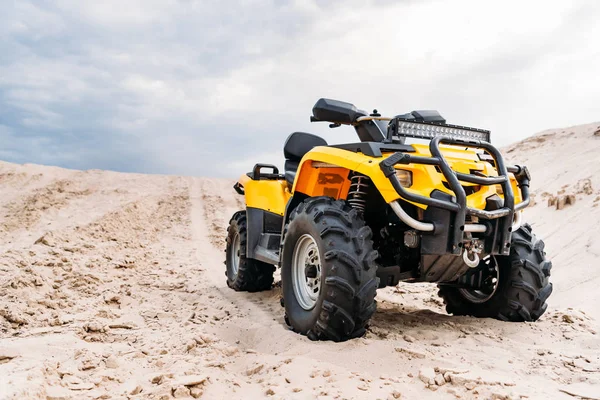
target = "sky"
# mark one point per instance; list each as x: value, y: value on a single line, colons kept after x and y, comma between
x: 209, y: 88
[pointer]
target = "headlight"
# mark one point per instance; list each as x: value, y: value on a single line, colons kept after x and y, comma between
x: 405, y: 177
x: 424, y: 130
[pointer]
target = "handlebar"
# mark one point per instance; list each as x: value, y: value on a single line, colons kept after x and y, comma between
x: 370, y: 118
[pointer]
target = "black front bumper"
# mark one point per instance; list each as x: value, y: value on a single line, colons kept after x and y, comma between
x: 457, y: 206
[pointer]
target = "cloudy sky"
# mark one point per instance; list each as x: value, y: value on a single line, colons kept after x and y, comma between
x: 211, y: 87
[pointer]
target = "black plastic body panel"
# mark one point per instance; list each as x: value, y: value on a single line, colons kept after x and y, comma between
x: 374, y: 149
x: 370, y: 131
x: 297, y: 198
x: 272, y: 222
x: 392, y: 275
x: 388, y: 276
x: 261, y: 226
x: 267, y: 249
x: 442, y: 268
x: 438, y: 241
x: 336, y: 111
x: 428, y: 116
x: 238, y: 188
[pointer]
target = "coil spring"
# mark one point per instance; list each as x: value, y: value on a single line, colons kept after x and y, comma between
x: 357, y: 195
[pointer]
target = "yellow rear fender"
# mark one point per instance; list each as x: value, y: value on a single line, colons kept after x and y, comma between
x: 266, y: 200
x: 268, y: 195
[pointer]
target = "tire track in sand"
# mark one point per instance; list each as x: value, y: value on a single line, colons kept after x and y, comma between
x: 211, y: 210
x: 25, y: 212
x: 321, y: 369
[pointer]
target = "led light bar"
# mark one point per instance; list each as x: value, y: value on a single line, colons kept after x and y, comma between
x: 425, y: 130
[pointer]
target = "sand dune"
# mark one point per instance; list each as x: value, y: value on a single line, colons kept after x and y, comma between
x: 112, y: 286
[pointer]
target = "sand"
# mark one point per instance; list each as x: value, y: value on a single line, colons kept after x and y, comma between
x: 112, y: 286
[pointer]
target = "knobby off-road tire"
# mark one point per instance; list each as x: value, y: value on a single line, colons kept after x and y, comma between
x: 523, y: 284
x: 244, y: 274
x: 347, y: 270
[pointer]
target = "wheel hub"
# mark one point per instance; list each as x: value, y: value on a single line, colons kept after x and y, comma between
x: 306, y: 272
x: 489, y: 283
x: 311, y: 271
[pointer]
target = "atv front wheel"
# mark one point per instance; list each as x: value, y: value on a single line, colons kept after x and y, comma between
x: 518, y: 284
x: 328, y: 270
x: 244, y: 274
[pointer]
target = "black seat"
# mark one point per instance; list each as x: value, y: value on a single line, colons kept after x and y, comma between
x: 295, y: 147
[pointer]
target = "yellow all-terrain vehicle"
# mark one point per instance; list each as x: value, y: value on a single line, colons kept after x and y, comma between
x: 344, y: 220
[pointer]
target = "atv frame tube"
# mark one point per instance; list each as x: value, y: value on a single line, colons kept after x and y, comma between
x: 410, y: 221
x: 459, y: 206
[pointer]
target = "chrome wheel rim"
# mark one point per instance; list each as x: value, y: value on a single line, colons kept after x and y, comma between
x: 306, y: 272
x: 479, y: 296
x: 235, y: 255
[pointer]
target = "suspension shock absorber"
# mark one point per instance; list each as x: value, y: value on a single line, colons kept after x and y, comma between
x: 357, y: 194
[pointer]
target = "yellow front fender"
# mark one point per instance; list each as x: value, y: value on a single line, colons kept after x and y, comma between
x: 324, y: 171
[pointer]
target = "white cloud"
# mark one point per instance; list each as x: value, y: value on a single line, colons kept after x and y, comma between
x: 24, y: 18
x: 190, y: 85
x: 120, y: 14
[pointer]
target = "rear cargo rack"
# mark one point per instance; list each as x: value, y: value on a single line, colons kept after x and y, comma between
x: 459, y: 205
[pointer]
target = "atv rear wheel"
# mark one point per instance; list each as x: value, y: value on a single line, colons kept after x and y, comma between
x: 244, y: 274
x: 328, y: 270
x: 520, y: 289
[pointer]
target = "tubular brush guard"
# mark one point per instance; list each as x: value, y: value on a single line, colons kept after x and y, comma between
x: 459, y: 204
